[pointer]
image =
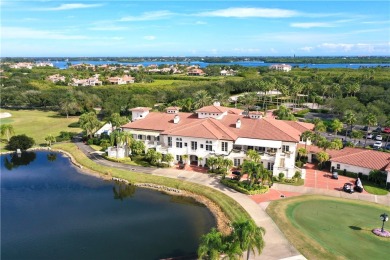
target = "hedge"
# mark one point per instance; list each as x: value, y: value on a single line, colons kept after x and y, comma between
x: 234, y: 185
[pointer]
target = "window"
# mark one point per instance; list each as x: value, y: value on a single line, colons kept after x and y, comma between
x: 179, y: 143
x: 224, y: 146
x: 149, y: 137
x: 261, y: 149
x: 209, y: 146
x: 272, y: 150
x: 338, y: 166
x: 201, y: 146
x: 194, y: 145
x: 179, y: 158
x: 158, y: 138
x: 285, y: 148
x: 281, y: 163
x: 270, y: 166
x: 169, y: 141
x: 185, y: 144
x: 250, y: 147
x: 140, y: 137
x: 237, y: 162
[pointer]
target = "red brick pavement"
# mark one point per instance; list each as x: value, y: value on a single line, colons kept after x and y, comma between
x: 273, y: 195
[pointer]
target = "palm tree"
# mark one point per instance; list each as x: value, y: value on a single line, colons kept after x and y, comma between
x: 117, y: 120
x: 168, y: 158
x: 319, y: 125
x: 301, y: 152
x: 322, y: 157
x: 211, y: 245
x: 307, y: 135
x: 50, y: 139
x: 226, y: 164
x: 211, y: 162
x: 7, y: 130
x: 249, y: 167
x: 336, y: 126
x: 369, y: 120
x: 201, y: 99
x: 128, y: 139
x: 89, y: 123
x: 249, y: 236
x: 350, y: 119
x: 248, y: 100
x: 253, y: 155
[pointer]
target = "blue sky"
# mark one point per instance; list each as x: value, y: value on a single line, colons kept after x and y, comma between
x: 194, y: 28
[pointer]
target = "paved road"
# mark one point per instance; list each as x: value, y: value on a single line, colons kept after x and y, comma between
x: 276, y: 246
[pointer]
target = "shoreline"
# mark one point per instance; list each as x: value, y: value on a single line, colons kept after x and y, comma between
x: 221, y: 220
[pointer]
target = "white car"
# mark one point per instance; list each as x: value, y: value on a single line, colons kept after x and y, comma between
x: 377, y: 144
x: 378, y: 137
x: 369, y: 136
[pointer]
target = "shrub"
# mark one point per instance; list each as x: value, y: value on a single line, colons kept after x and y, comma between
x: 299, y: 164
x: 74, y: 125
x: 281, y: 176
x: 289, y: 180
x: 244, y: 188
x: 65, y: 136
x: 297, y: 175
x: 22, y: 142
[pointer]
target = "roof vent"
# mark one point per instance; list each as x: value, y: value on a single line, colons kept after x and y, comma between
x: 217, y: 104
x: 238, y: 123
x: 176, y: 119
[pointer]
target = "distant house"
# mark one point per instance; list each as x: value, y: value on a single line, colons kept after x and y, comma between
x: 281, y: 67
x: 44, y: 64
x: 105, y: 129
x: 121, y: 80
x: 228, y: 72
x: 22, y: 65
x: 93, y: 81
x: 196, y: 72
x: 56, y: 78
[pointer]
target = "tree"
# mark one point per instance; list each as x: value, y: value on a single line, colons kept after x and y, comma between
x: 301, y: 152
x: 319, y: 125
x: 369, y: 120
x: 322, y: 157
x: 250, y: 168
x: 168, y: 158
x: 226, y: 165
x: 22, y: 142
x: 307, y: 135
x: 50, y: 139
x: 336, y: 126
x: 283, y: 113
x: 117, y: 120
x: 211, y: 245
x: 69, y: 105
x: 201, y: 99
x: 350, y: 119
x: 89, y: 123
x: 253, y: 155
x: 7, y: 130
x: 211, y: 162
x: 249, y: 236
x: 137, y: 147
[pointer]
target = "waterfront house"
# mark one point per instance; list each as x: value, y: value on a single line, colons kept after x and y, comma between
x: 281, y: 67
x: 219, y: 131
x: 56, y: 78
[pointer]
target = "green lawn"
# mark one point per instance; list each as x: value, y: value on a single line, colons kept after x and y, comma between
x: 373, y: 188
x: 331, y: 228
x: 38, y: 124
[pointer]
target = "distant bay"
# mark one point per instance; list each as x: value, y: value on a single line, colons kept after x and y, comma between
x: 63, y: 64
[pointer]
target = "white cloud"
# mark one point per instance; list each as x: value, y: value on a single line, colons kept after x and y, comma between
x: 150, y: 37
x: 107, y: 28
x: 251, y: 12
x: 246, y: 50
x: 307, y: 48
x: 311, y: 25
x: 69, y: 7
x: 356, y: 47
x: 200, y: 23
x: 337, y: 46
x: 31, y: 34
x: 147, y: 16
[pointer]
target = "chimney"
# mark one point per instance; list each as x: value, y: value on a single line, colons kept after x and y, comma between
x: 217, y: 104
x: 176, y: 119
x: 238, y: 123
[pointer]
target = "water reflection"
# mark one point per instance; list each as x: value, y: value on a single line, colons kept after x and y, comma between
x: 19, y: 160
x: 51, y: 157
x: 123, y: 191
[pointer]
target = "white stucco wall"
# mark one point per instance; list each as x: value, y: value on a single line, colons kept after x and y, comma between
x: 351, y: 168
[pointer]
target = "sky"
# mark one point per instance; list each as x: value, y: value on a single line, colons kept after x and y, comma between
x: 81, y: 28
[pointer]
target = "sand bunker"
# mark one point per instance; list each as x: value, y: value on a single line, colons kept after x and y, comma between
x: 5, y: 115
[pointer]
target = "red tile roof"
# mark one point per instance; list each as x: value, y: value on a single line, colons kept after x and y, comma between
x: 363, y: 158
x: 142, y: 109
x: 219, y: 109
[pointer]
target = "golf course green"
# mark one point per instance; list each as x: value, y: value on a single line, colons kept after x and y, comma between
x: 332, y: 228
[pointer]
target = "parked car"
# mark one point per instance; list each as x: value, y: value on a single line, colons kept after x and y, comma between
x: 387, y: 147
x: 365, y: 128
x: 377, y: 144
x: 369, y: 136
x: 378, y: 137
x: 386, y: 130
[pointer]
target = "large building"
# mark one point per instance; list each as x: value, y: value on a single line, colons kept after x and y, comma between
x: 219, y: 131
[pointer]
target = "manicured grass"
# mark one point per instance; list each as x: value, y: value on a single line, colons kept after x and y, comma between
x: 38, y: 124
x: 331, y: 228
x: 300, y: 182
x: 374, y: 189
x: 232, y: 209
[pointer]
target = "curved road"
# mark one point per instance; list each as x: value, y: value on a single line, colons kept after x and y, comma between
x: 276, y: 244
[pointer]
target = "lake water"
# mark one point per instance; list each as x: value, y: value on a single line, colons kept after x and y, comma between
x: 63, y: 64
x: 51, y: 211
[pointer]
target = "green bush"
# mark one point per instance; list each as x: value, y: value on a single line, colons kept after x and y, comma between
x: 74, y: 125
x: 289, y: 181
x: 22, y: 142
x: 65, y: 136
x: 243, y: 187
x: 281, y: 176
x: 299, y: 164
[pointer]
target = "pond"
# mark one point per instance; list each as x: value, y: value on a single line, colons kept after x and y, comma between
x: 49, y: 210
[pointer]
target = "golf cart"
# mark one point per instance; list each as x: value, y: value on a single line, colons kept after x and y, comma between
x: 348, y: 187
x: 335, y: 175
x: 358, y: 185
